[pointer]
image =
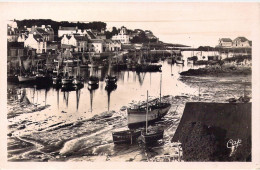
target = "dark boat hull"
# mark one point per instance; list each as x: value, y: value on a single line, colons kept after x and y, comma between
x: 125, y: 137
x: 152, y: 137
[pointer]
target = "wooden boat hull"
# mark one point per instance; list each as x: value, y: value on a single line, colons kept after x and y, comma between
x: 152, y: 137
x: 125, y: 137
x: 26, y: 79
x: 137, y: 118
x: 179, y: 61
x: 66, y: 81
x: 56, y: 80
x: 93, y: 82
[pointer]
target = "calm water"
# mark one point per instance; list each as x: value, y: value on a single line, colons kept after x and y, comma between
x: 131, y: 86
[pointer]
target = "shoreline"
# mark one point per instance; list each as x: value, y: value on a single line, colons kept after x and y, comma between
x: 216, y: 71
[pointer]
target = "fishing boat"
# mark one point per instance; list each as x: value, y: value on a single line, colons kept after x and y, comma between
x: 142, y: 66
x: 126, y: 136
x: 179, y: 60
x: 66, y: 79
x: 110, y: 80
x: 153, y: 135
x: 78, y: 80
x: 137, y: 116
x: 22, y: 78
x: 26, y: 78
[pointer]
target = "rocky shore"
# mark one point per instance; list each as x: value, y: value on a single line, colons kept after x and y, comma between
x: 224, y: 71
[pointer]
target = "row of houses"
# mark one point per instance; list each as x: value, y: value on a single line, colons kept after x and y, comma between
x: 239, y: 42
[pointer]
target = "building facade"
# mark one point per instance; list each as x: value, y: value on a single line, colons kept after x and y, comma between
x: 241, y: 42
x: 37, y: 42
x: 80, y: 43
x: 122, y: 36
x: 225, y: 42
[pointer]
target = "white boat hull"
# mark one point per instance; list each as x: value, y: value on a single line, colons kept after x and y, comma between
x: 136, y: 118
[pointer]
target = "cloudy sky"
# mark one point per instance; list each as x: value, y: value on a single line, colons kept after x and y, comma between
x: 185, y: 23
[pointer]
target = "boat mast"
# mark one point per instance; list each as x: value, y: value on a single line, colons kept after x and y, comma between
x: 161, y: 89
x: 146, y: 126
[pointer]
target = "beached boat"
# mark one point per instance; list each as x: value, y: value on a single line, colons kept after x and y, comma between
x: 126, y: 136
x: 137, y: 116
x: 152, y: 135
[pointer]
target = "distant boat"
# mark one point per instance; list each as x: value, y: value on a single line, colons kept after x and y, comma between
x: 93, y: 80
x: 126, y: 136
x: 66, y: 79
x: 26, y: 78
x: 179, y: 60
x: 22, y: 78
x: 78, y: 80
x: 137, y: 116
x: 110, y: 80
x: 150, y: 136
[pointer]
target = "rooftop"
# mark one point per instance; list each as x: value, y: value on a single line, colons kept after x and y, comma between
x: 242, y: 39
x: 226, y: 40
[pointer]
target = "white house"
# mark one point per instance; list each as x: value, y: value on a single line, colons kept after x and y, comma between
x: 22, y: 37
x: 123, y: 37
x: 241, y: 42
x: 112, y: 45
x: 36, y: 41
x: 79, y: 42
x: 96, y: 46
x: 225, y: 42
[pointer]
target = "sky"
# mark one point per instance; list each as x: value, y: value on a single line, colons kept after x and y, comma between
x: 189, y: 23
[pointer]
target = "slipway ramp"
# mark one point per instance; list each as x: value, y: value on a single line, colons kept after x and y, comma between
x: 233, y: 118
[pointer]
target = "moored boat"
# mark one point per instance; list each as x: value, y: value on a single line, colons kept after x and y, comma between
x: 26, y: 78
x: 93, y: 80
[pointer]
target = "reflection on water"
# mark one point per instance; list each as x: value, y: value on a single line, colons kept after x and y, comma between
x: 131, y: 86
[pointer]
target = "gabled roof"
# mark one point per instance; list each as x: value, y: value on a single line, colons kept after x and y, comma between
x: 80, y: 38
x: 242, y: 39
x: 38, y: 37
x: 67, y: 36
x: 226, y: 40
x: 42, y: 31
x: 92, y: 36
